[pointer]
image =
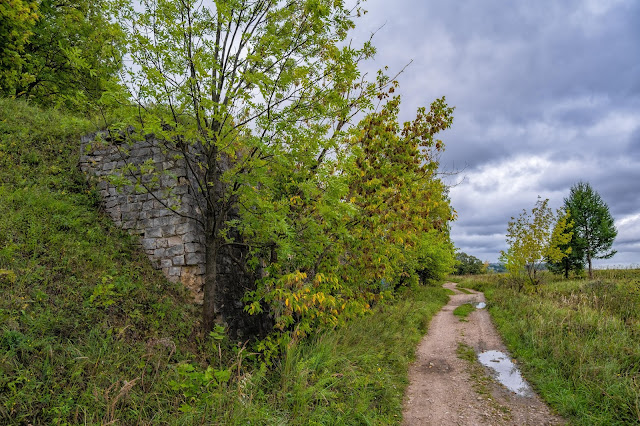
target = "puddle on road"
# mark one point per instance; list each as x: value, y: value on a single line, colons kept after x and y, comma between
x: 506, y: 372
x: 480, y: 305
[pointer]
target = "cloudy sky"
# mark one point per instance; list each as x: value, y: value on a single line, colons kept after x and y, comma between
x: 547, y: 93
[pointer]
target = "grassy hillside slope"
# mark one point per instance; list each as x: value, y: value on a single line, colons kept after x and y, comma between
x: 90, y: 333
x: 81, y: 311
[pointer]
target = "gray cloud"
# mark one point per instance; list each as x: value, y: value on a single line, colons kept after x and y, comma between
x: 547, y: 94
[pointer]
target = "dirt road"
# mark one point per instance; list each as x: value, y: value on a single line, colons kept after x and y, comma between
x: 445, y: 389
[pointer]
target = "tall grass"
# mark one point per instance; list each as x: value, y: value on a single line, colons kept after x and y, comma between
x: 356, y: 374
x: 578, y: 342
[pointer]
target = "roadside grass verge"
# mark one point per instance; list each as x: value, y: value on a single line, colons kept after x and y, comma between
x: 91, y: 334
x: 357, y: 374
x: 577, y: 341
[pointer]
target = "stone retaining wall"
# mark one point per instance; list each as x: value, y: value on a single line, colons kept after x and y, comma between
x: 163, y: 217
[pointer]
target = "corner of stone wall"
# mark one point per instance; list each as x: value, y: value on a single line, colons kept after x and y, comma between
x: 173, y: 242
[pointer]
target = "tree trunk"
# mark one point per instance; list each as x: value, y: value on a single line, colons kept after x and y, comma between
x: 589, y: 261
x: 210, y: 284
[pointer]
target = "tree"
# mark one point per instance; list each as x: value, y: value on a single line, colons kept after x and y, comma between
x: 467, y: 264
x: 64, y: 53
x: 572, y: 262
x: 594, y: 230
x: 534, y: 237
x: 17, y: 20
x: 257, y: 97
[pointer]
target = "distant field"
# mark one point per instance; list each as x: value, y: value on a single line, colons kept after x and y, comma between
x: 577, y: 341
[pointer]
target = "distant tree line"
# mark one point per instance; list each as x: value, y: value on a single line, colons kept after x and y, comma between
x: 467, y: 264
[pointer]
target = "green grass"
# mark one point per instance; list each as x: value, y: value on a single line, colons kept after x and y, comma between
x: 91, y: 334
x: 463, y: 311
x: 357, y: 374
x: 81, y: 310
x: 578, y: 342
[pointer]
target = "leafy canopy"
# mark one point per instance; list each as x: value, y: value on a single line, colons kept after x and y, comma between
x: 259, y: 99
x: 57, y: 52
x: 594, y: 229
x: 534, y: 237
x: 467, y: 264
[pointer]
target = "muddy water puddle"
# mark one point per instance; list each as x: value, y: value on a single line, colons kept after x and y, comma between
x: 505, y: 372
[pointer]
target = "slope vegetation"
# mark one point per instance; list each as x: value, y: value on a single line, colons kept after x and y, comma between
x: 90, y: 333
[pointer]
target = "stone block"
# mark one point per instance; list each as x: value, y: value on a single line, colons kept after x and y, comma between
x: 181, y: 190
x: 161, y: 211
x: 166, y: 263
x: 130, y: 224
x: 174, y: 271
x: 145, y: 223
x: 110, y: 203
x: 127, y: 216
x: 163, y: 221
x: 193, y: 237
x: 114, y: 213
x: 153, y: 233
x: 168, y: 231
x: 178, y: 261
x: 160, y: 253
x: 148, y: 243
x: 195, y: 259
x: 185, y: 227
x: 167, y: 181
x: 193, y: 247
x: 177, y: 250
x: 137, y: 232
x: 141, y: 151
x: 147, y: 178
x: 188, y: 209
x: 174, y: 241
